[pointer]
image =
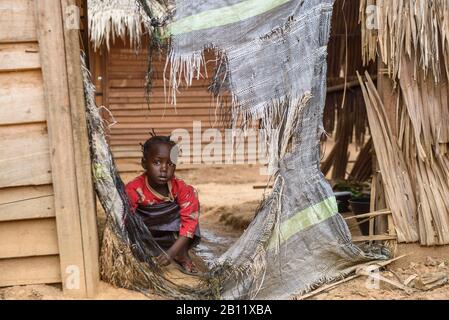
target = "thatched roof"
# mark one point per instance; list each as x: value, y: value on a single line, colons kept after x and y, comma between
x: 108, y: 19
x: 418, y: 27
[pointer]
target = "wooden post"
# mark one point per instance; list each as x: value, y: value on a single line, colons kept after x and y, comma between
x: 77, y: 239
x: 378, y: 199
x: 86, y: 194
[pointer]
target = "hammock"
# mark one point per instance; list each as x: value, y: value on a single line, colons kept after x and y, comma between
x: 272, y: 60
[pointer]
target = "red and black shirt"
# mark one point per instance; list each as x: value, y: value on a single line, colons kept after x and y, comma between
x: 140, y: 193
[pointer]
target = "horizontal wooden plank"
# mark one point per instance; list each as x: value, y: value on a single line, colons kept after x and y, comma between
x: 182, y: 107
x: 19, y: 56
x: 42, y: 207
x: 370, y: 215
x: 156, y: 83
x: 180, y: 124
x: 21, y: 97
x: 24, y: 155
x: 136, y: 142
x: 145, y: 131
x: 129, y: 129
x: 159, y: 99
x: 17, y: 21
x: 373, y: 238
x: 170, y: 122
x: 28, y: 238
x: 120, y: 63
x: 162, y: 114
x: 28, y: 202
x: 133, y: 165
x: 128, y: 54
x: 133, y: 93
x: 17, y: 194
x: 223, y: 158
x: 30, y: 270
x: 113, y: 74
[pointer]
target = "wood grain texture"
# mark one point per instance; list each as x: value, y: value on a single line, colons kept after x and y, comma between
x: 21, y: 97
x: 28, y: 238
x: 53, y: 60
x: 24, y: 155
x: 17, y: 21
x: 86, y: 196
x: 19, y: 56
x: 31, y: 270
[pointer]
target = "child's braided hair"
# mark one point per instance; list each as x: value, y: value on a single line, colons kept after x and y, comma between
x: 152, y: 141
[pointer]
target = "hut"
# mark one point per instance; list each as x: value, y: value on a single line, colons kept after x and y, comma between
x: 48, y: 228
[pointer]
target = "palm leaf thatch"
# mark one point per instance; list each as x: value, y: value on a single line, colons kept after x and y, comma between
x: 111, y: 19
x: 418, y: 27
x: 412, y: 40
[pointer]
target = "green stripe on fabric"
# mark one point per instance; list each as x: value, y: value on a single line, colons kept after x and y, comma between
x: 223, y: 16
x: 304, y: 219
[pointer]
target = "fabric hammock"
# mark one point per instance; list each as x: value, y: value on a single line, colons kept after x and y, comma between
x: 272, y: 60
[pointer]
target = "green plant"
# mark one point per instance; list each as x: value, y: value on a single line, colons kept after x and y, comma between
x: 357, y: 189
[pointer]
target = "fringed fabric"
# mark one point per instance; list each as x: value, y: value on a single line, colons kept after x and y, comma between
x: 272, y: 61
x: 125, y: 19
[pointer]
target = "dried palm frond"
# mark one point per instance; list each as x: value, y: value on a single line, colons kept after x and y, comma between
x: 413, y: 41
x: 399, y: 193
x: 110, y: 19
x: 418, y: 27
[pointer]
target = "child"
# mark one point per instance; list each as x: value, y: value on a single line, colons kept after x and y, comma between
x: 168, y: 206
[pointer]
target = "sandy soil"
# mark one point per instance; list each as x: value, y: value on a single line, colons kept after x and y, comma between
x: 228, y: 202
x: 360, y: 288
x: 54, y: 292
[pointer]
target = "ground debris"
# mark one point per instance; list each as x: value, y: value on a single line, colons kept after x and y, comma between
x: 429, y: 281
x: 430, y: 262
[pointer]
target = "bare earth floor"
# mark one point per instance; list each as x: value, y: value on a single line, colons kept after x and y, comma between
x: 228, y: 202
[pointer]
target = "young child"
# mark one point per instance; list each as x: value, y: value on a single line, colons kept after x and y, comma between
x: 169, y: 207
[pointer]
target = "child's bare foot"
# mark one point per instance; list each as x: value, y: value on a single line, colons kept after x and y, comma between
x: 187, y: 264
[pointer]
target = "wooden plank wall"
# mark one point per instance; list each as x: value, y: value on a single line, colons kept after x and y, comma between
x: 47, y: 214
x: 122, y: 87
x: 29, y: 250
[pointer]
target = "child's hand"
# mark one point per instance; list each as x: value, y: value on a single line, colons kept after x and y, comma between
x: 164, y: 259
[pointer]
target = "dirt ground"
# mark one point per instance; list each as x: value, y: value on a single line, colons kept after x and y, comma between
x: 228, y: 202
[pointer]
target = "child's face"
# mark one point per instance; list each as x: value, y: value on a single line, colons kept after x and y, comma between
x: 160, y: 169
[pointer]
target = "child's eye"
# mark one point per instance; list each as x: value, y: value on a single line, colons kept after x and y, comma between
x: 171, y: 164
x: 156, y: 162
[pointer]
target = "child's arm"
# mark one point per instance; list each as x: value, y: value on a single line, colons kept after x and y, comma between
x: 133, y: 197
x: 174, y: 250
x: 189, y: 203
x: 190, y: 208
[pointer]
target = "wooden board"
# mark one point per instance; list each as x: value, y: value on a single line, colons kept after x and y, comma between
x: 24, y: 155
x: 21, y: 97
x: 59, y: 120
x: 28, y: 238
x: 86, y: 197
x: 31, y: 270
x: 373, y: 238
x: 17, y: 194
x: 30, y: 202
x: 17, y: 22
x: 19, y: 56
